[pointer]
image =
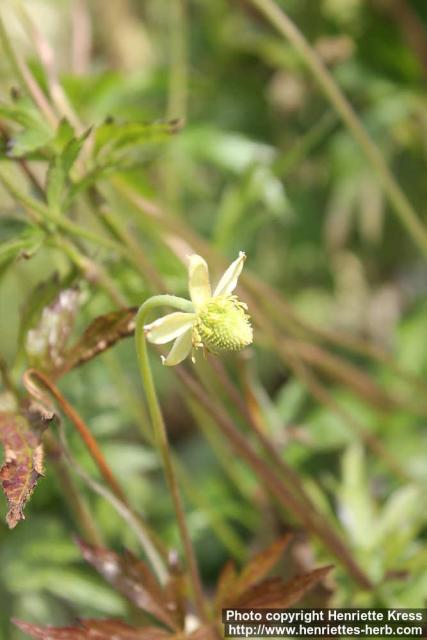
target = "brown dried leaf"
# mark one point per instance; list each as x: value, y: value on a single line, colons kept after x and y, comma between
x: 262, y: 563
x: 108, y: 630
x: 93, y: 630
x: 20, y: 435
x: 46, y: 343
x: 131, y: 576
x: 226, y: 584
x: 100, y: 335
x: 274, y: 592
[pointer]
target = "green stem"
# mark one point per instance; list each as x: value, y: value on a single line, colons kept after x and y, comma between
x: 11, y: 56
x: 400, y: 203
x: 161, y: 436
x: 25, y: 78
x: 92, y: 271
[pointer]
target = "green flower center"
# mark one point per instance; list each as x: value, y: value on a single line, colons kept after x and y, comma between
x: 222, y: 325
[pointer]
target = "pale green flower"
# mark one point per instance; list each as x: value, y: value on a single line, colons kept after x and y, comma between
x: 218, y: 323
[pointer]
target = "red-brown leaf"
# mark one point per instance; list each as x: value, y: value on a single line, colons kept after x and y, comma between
x: 274, y: 592
x: 100, y: 335
x: 93, y: 630
x: 23, y: 464
x: 133, y: 579
x: 262, y: 563
x: 226, y: 584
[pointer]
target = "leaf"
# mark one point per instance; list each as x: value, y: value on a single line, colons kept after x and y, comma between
x: 131, y: 577
x: 226, y: 583
x: 26, y: 142
x: 64, y: 134
x: 262, y: 563
x: 24, y: 245
x: 93, y: 630
x: 40, y: 297
x: 112, y: 136
x: 35, y: 134
x: 10, y: 228
x: 102, y: 334
x: 59, y: 171
x: 275, y: 593
x: 20, y: 435
x: 231, y: 585
x: 109, y: 630
x: 249, y: 589
x: 46, y: 342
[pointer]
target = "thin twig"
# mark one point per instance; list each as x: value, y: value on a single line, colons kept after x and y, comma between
x: 78, y: 506
x: 25, y: 77
x: 122, y: 509
x: 278, y: 488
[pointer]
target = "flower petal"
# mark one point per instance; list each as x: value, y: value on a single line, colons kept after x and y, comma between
x: 198, y: 280
x: 180, y: 350
x: 169, y: 327
x: 228, y: 282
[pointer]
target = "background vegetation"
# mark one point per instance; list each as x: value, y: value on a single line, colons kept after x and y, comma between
x: 136, y: 133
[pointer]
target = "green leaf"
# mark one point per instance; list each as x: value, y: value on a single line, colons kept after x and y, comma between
x: 10, y: 228
x: 59, y: 171
x: 26, y: 142
x: 18, y: 240
x: 35, y: 134
x: 64, y: 134
x: 112, y: 136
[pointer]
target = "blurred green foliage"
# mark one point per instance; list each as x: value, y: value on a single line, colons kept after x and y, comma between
x: 215, y: 118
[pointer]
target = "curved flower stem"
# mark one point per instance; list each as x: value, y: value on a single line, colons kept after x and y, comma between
x: 161, y: 437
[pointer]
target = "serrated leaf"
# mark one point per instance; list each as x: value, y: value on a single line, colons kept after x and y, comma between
x: 275, y: 593
x: 103, y: 333
x: 27, y: 142
x: 262, y: 563
x: 93, y: 630
x: 20, y: 435
x: 35, y: 134
x: 131, y: 577
x: 59, y: 170
x: 226, y: 583
x: 113, y: 136
x: 109, y: 630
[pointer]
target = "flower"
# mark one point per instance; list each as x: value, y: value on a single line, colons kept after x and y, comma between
x: 218, y: 323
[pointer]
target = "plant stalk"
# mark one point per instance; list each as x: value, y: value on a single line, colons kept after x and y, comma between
x: 161, y: 437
